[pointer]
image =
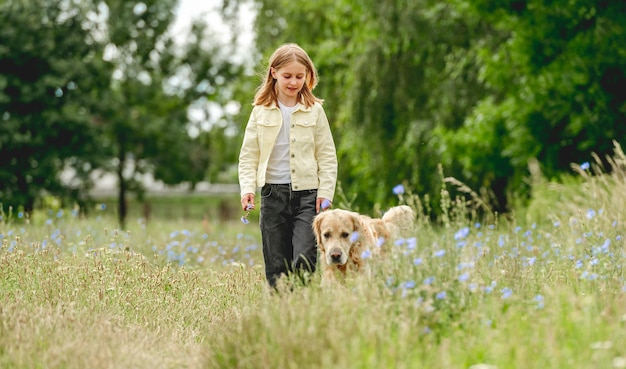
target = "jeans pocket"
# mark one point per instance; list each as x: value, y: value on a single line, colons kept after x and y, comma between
x: 266, y: 191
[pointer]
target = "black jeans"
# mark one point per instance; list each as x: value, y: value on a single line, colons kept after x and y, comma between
x: 286, y: 222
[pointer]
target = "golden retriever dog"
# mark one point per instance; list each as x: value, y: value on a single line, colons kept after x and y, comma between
x: 344, y: 236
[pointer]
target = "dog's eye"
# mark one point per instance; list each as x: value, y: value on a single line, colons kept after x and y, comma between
x: 345, y: 234
x: 326, y: 235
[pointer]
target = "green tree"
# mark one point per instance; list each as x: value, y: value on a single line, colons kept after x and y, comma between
x: 557, y: 84
x: 154, y: 82
x: 49, y: 68
x: 391, y: 72
x: 104, y: 86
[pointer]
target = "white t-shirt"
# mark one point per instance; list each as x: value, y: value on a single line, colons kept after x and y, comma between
x: 278, y: 165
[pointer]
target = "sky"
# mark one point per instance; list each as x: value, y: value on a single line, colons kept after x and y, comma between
x: 189, y: 10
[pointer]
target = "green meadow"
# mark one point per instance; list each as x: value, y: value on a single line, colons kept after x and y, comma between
x: 543, y: 287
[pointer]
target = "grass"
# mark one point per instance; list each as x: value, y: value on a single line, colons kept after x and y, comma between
x: 545, y: 289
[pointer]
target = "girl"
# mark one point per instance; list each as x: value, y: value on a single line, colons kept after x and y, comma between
x: 288, y: 151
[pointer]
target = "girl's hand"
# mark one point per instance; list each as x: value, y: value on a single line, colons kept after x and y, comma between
x: 322, y: 204
x: 247, y: 202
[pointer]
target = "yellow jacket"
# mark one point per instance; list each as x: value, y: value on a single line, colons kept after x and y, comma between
x: 313, y: 158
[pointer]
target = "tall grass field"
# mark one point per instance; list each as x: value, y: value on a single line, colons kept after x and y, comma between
x: 543, y: 287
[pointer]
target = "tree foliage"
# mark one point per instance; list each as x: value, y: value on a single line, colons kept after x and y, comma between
x: 477, y: 86
x: 103, y: 85
x: 557, y: 97
x: 153, y: 84
x: 390, y: 72
x: 49, y: 70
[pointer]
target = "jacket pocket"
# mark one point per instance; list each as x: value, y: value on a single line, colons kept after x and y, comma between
x: 267, y: 123
x: 267, y: 130
x: 304, y: 130
x: 305, y: 122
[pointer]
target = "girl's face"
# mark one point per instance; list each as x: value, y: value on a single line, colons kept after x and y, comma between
x: 289, y: 79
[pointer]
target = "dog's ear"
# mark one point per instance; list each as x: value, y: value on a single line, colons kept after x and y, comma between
x: 356, y: 246
x: 357, y: 226
x: 317, y: 229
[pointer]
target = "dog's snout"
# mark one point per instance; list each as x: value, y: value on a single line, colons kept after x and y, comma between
x: 335, y: 256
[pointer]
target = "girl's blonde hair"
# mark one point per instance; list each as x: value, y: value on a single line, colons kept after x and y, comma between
x: 267, y: 93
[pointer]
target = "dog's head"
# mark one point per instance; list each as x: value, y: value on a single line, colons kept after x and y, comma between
x: 338, y: 233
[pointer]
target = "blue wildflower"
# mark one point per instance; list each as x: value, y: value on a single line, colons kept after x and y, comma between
x: 604, y: 249
x: 354, y: 236
x: 579, y: 264
x: 501, y: 240
x: 441, y: 295
x: 411, y: 243
x: 539, y: 300
x: 463, y: 277
x: 326, y: 204
x: 584, y: 166
x: 366, y: 254
x: 506, y: 293
x: 462, y: 233
x: 398, y: 190
x: 246, y: 214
